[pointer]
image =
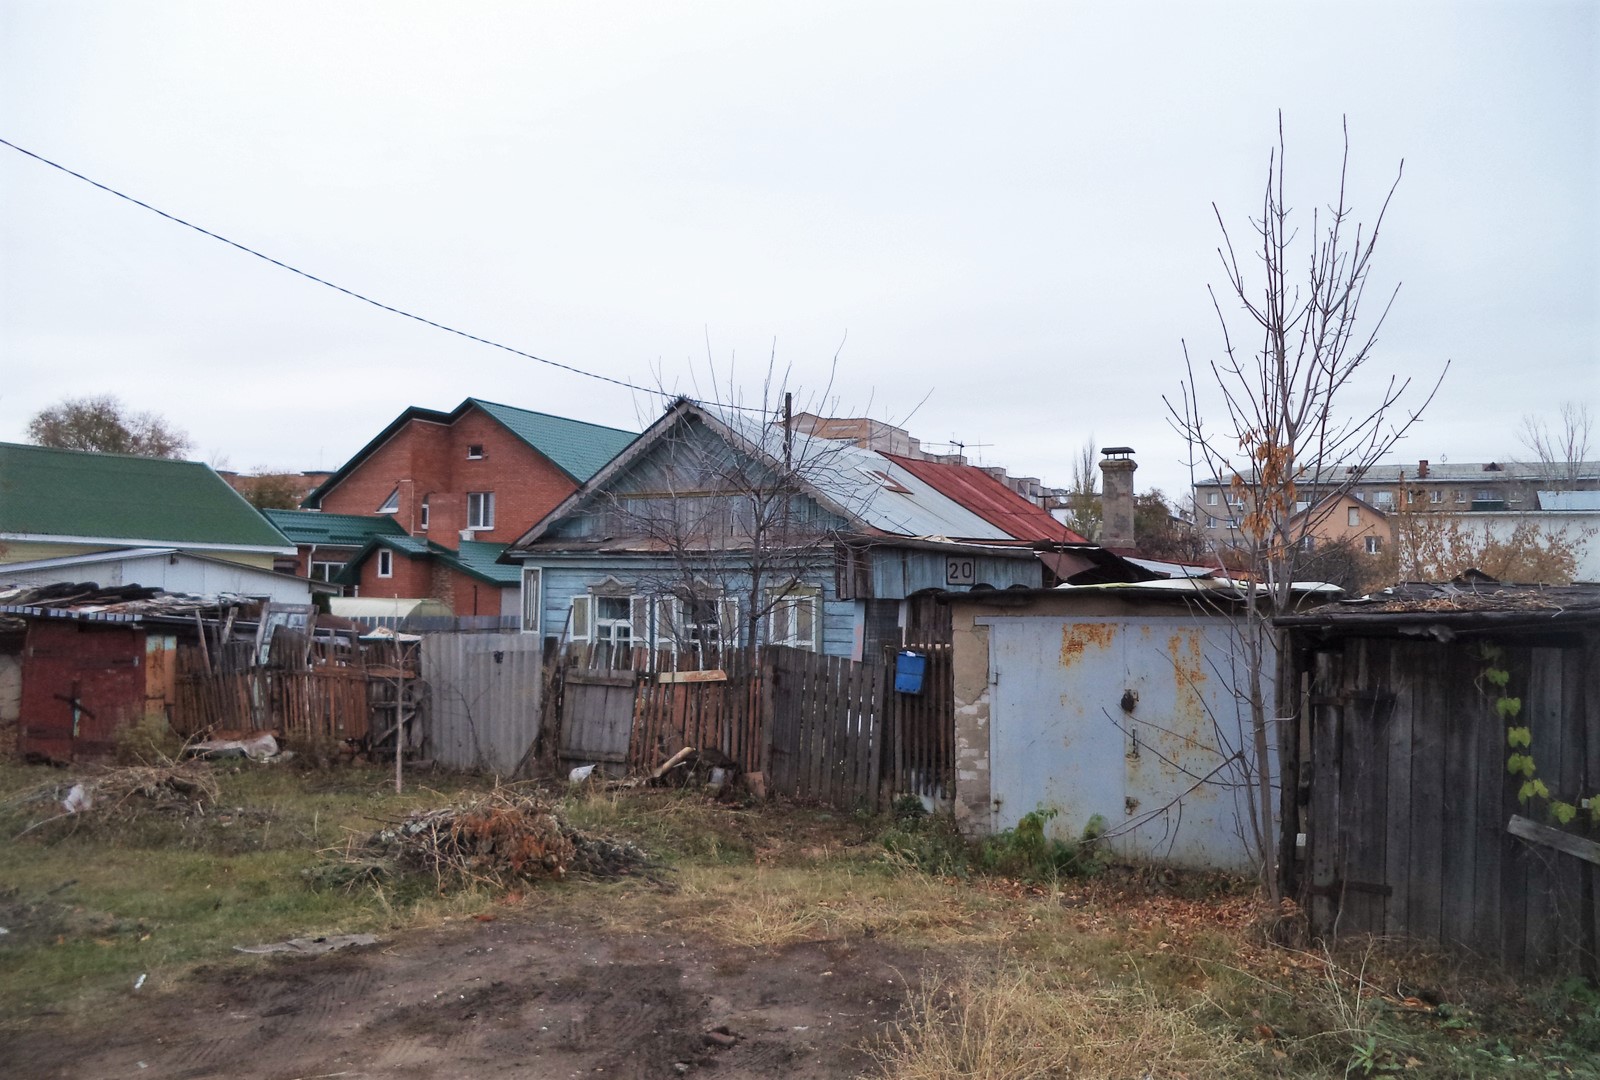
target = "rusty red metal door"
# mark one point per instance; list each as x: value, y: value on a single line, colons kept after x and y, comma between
x: 81, y: 682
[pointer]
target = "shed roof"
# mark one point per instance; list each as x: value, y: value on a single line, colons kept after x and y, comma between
x: 1471, y: 599
x: 73, y: 495
x: 332, y: 530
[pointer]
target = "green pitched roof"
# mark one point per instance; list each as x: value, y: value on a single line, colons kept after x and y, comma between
x: 47, y: 493
x: 579, y: 448
x: 334, y: 530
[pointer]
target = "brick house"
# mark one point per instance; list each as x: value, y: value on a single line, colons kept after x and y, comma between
x: 459, y: 483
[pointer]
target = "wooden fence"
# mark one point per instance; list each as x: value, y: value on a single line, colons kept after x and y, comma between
x: 818, y: 727
x: 324, y: 702
x: 486, y: 698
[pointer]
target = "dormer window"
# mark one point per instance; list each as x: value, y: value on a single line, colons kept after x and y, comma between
x: 391, y: 505
x: 385, y: 563
x: 475, y: 452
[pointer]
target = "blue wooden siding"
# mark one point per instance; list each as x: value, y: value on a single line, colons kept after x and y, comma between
x: 899, y: 572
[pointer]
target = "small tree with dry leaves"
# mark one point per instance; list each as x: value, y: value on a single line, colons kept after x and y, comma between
x: 1289, y: 409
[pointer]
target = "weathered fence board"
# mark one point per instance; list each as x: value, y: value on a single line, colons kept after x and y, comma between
x: 1410, y: 797
x: 486, y: 698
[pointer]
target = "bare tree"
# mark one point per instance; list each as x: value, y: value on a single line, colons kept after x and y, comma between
x: 1083, y: 497
x: 1299, y: 419
x: 1559, y: 455
x: 104, y: 425
x: 729, y: 510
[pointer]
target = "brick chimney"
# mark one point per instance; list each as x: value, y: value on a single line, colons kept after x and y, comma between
x: 1422, y: 469
x: 1116, y: 504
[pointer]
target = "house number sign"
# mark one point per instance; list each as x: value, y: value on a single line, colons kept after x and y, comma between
x: 960, y: 570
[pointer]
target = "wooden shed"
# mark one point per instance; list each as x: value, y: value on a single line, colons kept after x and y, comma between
x: 1442, y: 734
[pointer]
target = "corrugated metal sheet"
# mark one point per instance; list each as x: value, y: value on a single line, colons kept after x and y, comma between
x: 990, y: 499
x: 1123, y: 718
x: 485, y: 698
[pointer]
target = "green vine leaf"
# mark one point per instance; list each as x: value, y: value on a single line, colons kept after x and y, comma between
x: 1499, y: 677
x: 1525, y: 792
x: 1539, y: 789
x: 1519, y: 736
x: 1563, y: 812
x: 1520, y: 765
x: 1508, y: 707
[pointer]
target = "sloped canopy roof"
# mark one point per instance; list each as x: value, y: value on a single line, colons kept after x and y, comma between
x: 74, y: 495
x: 333, y: 530
x: 577, y: 448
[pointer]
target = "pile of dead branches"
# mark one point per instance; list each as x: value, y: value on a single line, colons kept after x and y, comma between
x: 499, y: 840
x: 124, y: 792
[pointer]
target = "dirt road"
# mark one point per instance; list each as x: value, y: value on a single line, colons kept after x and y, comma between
x: 522, y: 996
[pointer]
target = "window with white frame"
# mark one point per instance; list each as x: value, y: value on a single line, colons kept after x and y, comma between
x: 1211, y: 522
x: 1211, y: 498
x: 1383, y: 500
x: 324, y: 571
x: 1461, y: 495
x: 532, y: 598
x: 480, y: 510
x: 1353, y: 517
x: 391, y: 504
x: 475, y: 452
x: 1435, y: 495
x: 793, y: 621
x: 422, y: 515
x: 1308, y: 542
x: 610, y: 618
x: 1374, y: 545
x: 385, y: 562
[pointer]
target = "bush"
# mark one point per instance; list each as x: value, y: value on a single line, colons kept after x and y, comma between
x: 1026, y: 852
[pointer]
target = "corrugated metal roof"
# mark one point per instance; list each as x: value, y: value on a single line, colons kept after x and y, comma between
x: 875, y: 490
x: 987, y: 497
x: 335, y: 530
x: 72, y: 493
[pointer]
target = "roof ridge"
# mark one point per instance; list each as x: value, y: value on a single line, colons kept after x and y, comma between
x: 549, y: 416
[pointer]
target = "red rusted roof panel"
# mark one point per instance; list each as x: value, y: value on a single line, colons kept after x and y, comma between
x: 989, y: 499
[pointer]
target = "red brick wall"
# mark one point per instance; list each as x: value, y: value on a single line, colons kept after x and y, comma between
x: 412, y: 577
x: 430, y: 460
x: 465, y: 594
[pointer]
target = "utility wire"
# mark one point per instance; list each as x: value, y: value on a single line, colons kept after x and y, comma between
x: 359, y: 296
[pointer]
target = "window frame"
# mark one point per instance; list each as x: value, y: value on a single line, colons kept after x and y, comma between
x: 475, y: 452
x: 422, y: 513
x: 792, y: 601
x: 1374, y: 545
x: 532, y: 599
x: 385, y: 563
x: 485, y: 511
x: 1352, y: 517
x: 391, y: 504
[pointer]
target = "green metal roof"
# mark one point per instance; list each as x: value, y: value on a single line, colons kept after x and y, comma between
x: 478, y: 559
x: 332, y: 530
x: 579, y: 448
x: 48, y: 493
x: 475, y: 559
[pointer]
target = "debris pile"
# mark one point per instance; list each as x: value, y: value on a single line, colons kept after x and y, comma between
x: 503, y: 838
x: 123, y: 792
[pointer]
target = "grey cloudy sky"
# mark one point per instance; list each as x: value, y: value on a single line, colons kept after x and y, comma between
x: 1008, y: 205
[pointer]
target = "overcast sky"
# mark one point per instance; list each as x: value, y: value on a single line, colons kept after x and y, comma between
x: 1004, y: 208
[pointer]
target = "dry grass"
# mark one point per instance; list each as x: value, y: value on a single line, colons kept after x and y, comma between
x: 1020, y: 1022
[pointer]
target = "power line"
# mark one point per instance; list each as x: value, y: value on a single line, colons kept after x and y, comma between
x: 352, y: 293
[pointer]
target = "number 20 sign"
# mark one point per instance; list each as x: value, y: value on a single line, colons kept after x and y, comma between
x: 959, y: 570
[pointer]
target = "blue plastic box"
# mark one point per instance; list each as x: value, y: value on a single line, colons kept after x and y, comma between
x: 908, y: 670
